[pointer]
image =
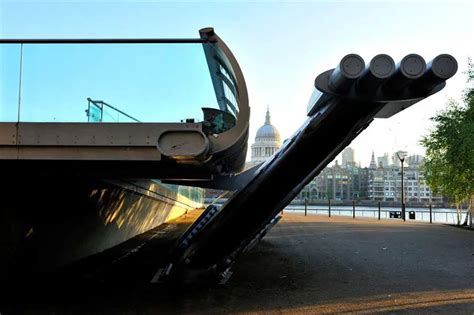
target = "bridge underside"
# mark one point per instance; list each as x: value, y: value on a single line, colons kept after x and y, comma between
x: 48, y: 222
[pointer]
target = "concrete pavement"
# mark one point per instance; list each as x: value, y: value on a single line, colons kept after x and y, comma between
x: 310, y: 264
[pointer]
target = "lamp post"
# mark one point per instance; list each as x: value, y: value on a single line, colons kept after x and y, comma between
x: 401, y: 157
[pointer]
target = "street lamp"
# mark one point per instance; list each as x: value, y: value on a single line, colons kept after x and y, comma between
x: 401, y: 157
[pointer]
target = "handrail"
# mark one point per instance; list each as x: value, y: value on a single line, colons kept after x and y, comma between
x: 104, y: 41
x: 95, y: 102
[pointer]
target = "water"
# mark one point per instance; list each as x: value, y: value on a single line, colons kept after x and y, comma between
x: 440, y: 215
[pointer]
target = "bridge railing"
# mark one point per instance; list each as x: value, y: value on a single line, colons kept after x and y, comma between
x: 100, y: 111
x: 436, y: 215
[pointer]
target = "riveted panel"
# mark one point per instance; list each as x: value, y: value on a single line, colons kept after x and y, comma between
x: 95, y: 134
x: 7, y: 133
x: 89, y: 153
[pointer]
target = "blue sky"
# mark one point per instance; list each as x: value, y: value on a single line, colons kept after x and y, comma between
x: 281, y: 48
x: 150, y: 82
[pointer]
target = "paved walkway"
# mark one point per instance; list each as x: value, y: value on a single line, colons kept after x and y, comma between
x: 317, y: 264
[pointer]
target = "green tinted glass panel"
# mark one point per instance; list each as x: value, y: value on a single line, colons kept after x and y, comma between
x: 193, y: 193
x: 95, y: 113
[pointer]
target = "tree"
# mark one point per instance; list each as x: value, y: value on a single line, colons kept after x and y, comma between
x: 449, y: 163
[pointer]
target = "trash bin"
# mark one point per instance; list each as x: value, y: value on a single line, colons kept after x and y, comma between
x: 411, y: 215
x: 395, y: 214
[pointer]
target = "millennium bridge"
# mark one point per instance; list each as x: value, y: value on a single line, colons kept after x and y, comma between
x: 76, y: 184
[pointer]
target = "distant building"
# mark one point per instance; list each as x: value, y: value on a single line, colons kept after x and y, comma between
x: 334, y: 183
x: 348, y: 157
x: 337, y: 183
x: 380, y: 182
x: 359, y: 180
x: 384, y: 160
x: 373, y: 164
x: 267, y: 142
x: 396, y: 158
x: 385, y: 184
x: 415, y: 160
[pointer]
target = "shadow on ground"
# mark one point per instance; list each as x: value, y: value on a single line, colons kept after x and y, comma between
x: 304, y: 265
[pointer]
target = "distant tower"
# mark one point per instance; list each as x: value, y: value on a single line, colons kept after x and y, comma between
x: 395, y: 157
x: 348, y: 157
x: 373, y: 165
x: 415, y: 160
x: 267, y: 141
x: 383, y: 160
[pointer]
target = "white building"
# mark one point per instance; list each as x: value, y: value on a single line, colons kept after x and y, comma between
x: 267, y: 142
x: 385, y: 184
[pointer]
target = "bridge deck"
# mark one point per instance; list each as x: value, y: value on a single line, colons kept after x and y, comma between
x: 137, y: 150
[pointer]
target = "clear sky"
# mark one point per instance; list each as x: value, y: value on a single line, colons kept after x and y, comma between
x: 281, y: 47
x: 150, y: 82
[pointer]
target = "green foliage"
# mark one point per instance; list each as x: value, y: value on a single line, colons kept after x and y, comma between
x: 449, y: 163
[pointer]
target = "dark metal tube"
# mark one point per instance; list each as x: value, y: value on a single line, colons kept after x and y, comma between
x: 380, y: 68
x: 438, y: 70
x: 346, y: 73
x: 410, y: 68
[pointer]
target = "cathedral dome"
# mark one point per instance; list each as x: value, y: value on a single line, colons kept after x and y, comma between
x: 268, y: 131
x: 267, y: 142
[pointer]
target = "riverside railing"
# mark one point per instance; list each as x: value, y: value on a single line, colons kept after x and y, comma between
x: 430, y: 214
